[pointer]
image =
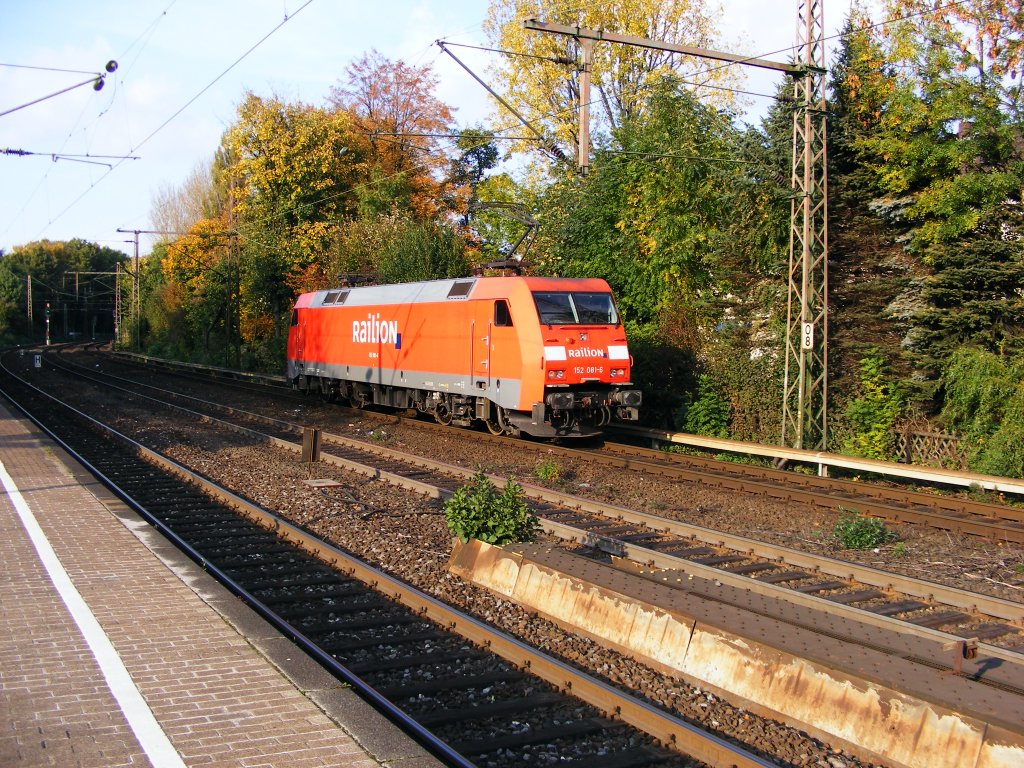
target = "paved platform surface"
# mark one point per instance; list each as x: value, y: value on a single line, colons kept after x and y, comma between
x: 118, y: 651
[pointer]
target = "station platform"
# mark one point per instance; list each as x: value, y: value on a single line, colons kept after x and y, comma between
x: 119, y: 651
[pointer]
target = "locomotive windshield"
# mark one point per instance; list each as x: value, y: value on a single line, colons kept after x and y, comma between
x: 565, y: 308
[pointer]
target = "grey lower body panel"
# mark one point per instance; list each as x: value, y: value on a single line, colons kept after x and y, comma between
x: 465, y: 398
x: 502, y: 392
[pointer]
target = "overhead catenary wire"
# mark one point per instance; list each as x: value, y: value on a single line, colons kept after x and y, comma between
x: 442, y: 44
x: 678, y: 156
x: 788, y: 49
x: 77, y: 158
x: 429, y: 150
x: 484, y: 139
x: 841, y: 35
x: 549, y: 114
x: 48, y: 69
x: 642, y: 87
x: 364, y: 185
x: 143, y: 36
x: 163, y: 126
x: 569, y: 61
x: 187, y: 104
x: 231, y: 66
x: 554, y: 113
x: 554, y: 59
x: 464, y: 134
x: 639, y: 89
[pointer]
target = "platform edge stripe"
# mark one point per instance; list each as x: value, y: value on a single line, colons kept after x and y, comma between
x: 140, y: 718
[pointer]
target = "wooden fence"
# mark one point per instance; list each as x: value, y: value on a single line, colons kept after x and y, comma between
x: 933, y: 449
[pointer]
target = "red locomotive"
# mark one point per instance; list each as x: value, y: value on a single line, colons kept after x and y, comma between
x: 541, y: 356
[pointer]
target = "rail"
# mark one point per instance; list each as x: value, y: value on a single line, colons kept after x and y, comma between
x: 267, y: 379
x: 823, y: 460
x: 668, y: 729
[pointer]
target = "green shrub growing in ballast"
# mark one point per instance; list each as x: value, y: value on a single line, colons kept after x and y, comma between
x: 478, y: 511
x: 857, y: 532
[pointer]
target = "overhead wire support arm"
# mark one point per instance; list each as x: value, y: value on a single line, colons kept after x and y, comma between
x: 582, y: 33
x: 547, y: 143
x: 587, y: 38
x: 55, y: 156
x: 97, y: 84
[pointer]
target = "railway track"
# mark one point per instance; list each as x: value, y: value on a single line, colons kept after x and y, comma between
x: 661, y: 551
x: 471, y: 694
x: 664, y: 546
x: 897, y: 504
x: 892, y: 502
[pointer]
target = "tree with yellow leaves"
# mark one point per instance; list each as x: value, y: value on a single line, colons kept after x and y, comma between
x: 290, y: 172
x: 201, y: 274
x: 543, y: 82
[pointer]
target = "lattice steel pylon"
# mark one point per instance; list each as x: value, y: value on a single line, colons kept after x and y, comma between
x: 805, y: 387
x: 117, y: 306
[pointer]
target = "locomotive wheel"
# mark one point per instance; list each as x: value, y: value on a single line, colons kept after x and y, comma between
x: 327, y: 392
x: 442, y: 415
x: 563, y: 421
x: 498, y: 424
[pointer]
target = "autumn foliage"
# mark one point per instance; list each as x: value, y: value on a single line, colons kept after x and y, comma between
x: 685, y: 210
x: 401, y: 123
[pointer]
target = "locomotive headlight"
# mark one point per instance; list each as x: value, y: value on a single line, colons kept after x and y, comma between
x: 618, y: 373
x: 552, y: 374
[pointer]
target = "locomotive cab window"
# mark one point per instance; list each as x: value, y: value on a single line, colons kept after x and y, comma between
x: 295, y: 317
x: 596, y: 308
x: 502, y: 314
x: 575, y: 308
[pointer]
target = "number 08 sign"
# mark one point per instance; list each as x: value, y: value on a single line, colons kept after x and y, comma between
x: 807, y: 337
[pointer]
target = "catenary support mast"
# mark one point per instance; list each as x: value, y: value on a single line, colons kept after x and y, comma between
x: 805, y: 387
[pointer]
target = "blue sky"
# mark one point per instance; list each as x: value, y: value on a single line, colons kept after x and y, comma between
x: 168, y: 51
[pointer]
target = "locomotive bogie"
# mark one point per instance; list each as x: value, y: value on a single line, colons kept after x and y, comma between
x: 542, y: 356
